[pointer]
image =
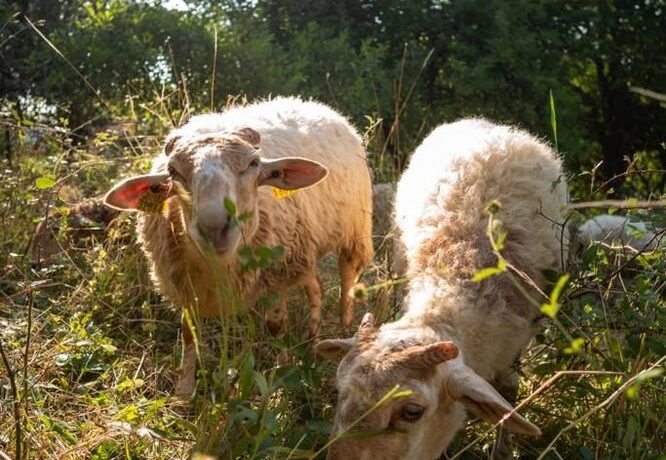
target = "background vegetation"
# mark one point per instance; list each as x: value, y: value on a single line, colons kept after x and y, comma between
x: 89, y: 89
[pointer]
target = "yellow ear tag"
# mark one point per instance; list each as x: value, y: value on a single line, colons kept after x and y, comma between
x: 152, y: 202
x: 281, y: 193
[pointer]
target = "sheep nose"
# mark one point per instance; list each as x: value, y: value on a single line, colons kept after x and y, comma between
x: 215, y: 231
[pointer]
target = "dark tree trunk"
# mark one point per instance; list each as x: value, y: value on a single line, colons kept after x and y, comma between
x: 612, y: 128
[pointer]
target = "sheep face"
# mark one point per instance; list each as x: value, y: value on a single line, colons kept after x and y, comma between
x: 419, y: 423
x: 215, y: 178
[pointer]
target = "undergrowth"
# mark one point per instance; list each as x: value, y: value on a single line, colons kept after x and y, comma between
x: 89, y: 361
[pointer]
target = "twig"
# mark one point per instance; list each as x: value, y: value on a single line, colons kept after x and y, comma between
x: 629, y: 173
x: 619, y: 204
x: 71, y: 65
x: 645, y: 249
x: 17, y: 409
x: 648, y: 93
x: 639, y: 253
x: 399, y: 108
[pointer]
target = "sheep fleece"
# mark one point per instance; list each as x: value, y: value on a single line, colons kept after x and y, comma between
x: 334, y: 214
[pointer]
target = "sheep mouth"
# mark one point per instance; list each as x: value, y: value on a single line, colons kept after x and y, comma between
x: 224, y: 247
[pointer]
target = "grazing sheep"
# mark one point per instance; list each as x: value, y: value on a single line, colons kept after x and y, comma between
x: 456, y: 343
x: 382, y: 211
x: 607, y: 228
x: 219, y: 162
x: 82, y: 220
x: 389, y: 252
x: 385, y: 232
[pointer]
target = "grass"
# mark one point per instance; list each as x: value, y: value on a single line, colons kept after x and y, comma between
x: 91, y: 356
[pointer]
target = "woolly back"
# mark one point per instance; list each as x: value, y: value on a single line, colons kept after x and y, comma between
x: 443, y: 196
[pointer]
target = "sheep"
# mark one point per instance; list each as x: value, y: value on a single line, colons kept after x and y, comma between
x: 456, y: 334
x: 389, y: 253
x: 84, y: 219
x: 211, y: 190
x: 386, y: 234
x: 608, y: 228
x: 383, y: 195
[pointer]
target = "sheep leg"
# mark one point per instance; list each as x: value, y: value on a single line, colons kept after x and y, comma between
x: 348, y: 272
x: 278, y: 316
x: 506, y: 385
x: 186, y: 382
x: 314, y: 292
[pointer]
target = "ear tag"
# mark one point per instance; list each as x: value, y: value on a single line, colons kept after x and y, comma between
x: 280, y: 193
x: 153, y: 200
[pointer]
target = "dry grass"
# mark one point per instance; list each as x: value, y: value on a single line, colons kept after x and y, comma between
x: 88, y: 343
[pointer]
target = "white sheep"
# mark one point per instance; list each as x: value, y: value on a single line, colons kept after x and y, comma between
x: 384, y: 229
x: 219, y: 162
x: 608, y: 228
x: 456, y: 343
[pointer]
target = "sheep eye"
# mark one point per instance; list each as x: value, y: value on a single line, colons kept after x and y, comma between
x: 411, y: 412
x: 254, y: 163
x: 173, y: 173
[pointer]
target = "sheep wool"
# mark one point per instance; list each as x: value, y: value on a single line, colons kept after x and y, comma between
x: 215, y: 163
x: 455, y: 345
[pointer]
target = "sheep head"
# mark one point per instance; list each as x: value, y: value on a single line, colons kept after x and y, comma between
x: 434, y: 389
x: 215, y: 177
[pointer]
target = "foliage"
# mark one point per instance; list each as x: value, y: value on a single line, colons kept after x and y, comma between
x: 88, y: 340
x: 410, y: 65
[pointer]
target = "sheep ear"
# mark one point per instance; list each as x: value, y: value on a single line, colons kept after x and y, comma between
x: 291, y: 173
x: 335, y: 349
x: 480, y: 398
x: 126, y: 195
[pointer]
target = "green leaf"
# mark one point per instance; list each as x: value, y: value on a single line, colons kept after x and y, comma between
x: 650, y: 374
x: 632, y: 392
x: 245, y: 256
x: 490, y: 271
x: 559, y: 287
x: 575, y: 346
x: 129, y: 384
x: 230, y: 206
x: 263, y: 252
x: 278, y: 252
x: 245, y: 215
x: 58, y: 428
x: 261, y: 383
x: 44, y: 182
x: 493, y: 207
x: 107, y: 347
x: 553, y: 118
x: 551, y: 309
x: 129, y: 413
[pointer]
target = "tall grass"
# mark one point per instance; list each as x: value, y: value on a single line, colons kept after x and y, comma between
x: 87, y: 345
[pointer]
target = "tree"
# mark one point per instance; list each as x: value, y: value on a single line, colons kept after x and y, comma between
x: 612, y: 46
